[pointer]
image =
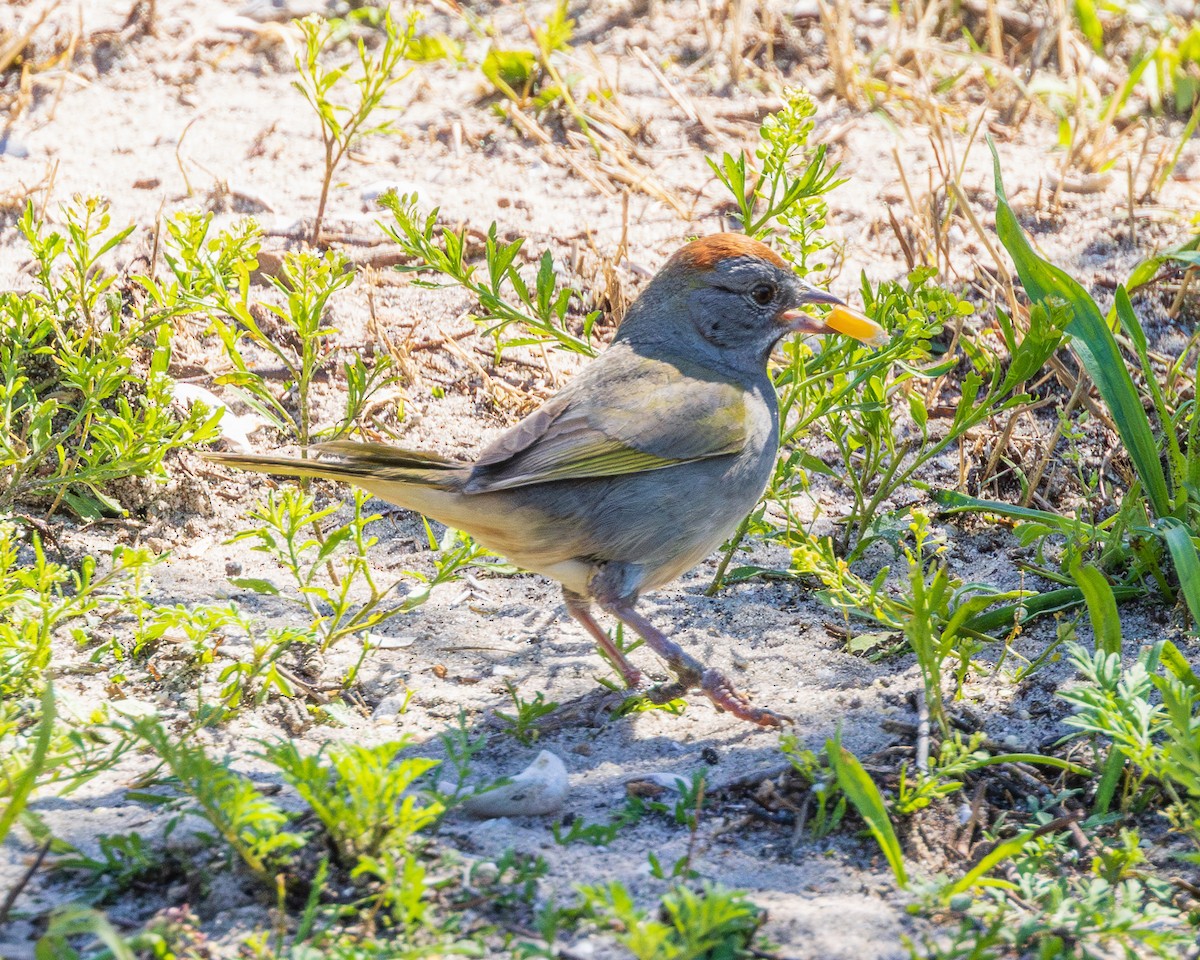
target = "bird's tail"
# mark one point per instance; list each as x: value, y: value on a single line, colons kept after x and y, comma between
x: 357, y: 462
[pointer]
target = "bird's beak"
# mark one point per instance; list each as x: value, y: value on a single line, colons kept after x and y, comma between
x: 841, y: 319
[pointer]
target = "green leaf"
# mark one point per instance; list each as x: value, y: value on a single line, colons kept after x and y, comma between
x: 1001, y: 852
x: 1178, y: 665
x: 1133, y: 328
x: 1114, y: 765
x: 75, y: 920
x: 85, y: 507
x: 951, y: 501
x: 510, y: 71
x: 1089, y: 23
x: 1052, y: 601
x: 257, y: 585
x: 1094, y: 344
x: 1102, y: 607
x: 20, y: 790
x: 1187, y: 565
x: 1039, y: 759
x: 854, y: 781
x: 1147, y: 270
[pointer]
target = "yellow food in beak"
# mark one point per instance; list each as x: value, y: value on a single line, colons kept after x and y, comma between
x: 840, y: 319
x: 844, y: 320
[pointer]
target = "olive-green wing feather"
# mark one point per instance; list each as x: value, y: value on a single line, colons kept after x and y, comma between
x: 626, y: 415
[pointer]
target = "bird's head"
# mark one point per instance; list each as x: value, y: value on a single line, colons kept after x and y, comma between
x: 731, y: 298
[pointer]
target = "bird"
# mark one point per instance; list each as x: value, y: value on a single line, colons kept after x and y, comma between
x: 640, y: 466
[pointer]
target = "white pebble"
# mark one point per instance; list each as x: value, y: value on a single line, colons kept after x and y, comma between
x: 536, y: 791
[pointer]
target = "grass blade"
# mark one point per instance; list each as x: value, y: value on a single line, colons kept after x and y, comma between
x: 860, y: 789
x: 1040, y: 759
x: 951, y: 501
x: 1052, y: 601
x: 1102, y: 607
x: 1094, y: 344
x: 1133, y: 327
x: 1187, y: 565
x: 1002, y: 851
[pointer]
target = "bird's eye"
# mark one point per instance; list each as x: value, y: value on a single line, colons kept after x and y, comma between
x: 763, y: 294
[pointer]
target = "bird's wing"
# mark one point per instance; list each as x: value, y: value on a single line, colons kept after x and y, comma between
x: 627, y: 417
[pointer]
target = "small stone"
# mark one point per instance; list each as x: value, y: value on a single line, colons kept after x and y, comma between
x: 10, y: 146
x: 233, y: 568
x: 389, y: 707
x: 377, y: 641
x: 536, y: 791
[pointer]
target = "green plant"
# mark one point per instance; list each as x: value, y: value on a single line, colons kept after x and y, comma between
x: 784, y: 197
x: 213, y: 277
x: 954, y: 760
x: 814, y: 769
x: 861, y: 791
x: 41, y: 598
x: 126, y: 861
x: 531, y: 78
x: 939, y: 616
x: 1047, y: 910
x: 460, y: 749
x: 506, y: 298
x: 18, y: 785
x: 360, y: 795
x: 522, y: 723
x: 707, y: 924
x: 70, y: 923
x: 1152, y: 739
x: 518, y: 74
x: 600, y: 834
x: 344, y: 124
x: 1159, y: 518
x: 330, y: 569
x: 511, y: 880
x: 306, y: 281
x: 205, y: 628
x: 84, y: 394
x: 40, y: 602
x: 253, y: 826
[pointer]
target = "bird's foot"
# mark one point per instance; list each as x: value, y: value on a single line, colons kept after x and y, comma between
x: 724, y: 696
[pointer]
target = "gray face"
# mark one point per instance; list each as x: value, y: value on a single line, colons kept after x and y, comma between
x: 739, y: 305
x: 728, y: 316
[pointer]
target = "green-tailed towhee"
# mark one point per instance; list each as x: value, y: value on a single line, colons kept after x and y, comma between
x: 642, y: 465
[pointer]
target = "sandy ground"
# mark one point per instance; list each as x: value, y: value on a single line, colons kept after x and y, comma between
x: 202, y: 115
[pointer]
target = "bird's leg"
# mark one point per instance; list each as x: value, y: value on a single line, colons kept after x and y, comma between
x: 579, y: 608
x: 689, y: 671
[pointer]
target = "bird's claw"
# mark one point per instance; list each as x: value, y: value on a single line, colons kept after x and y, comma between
x: 724, y: 696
